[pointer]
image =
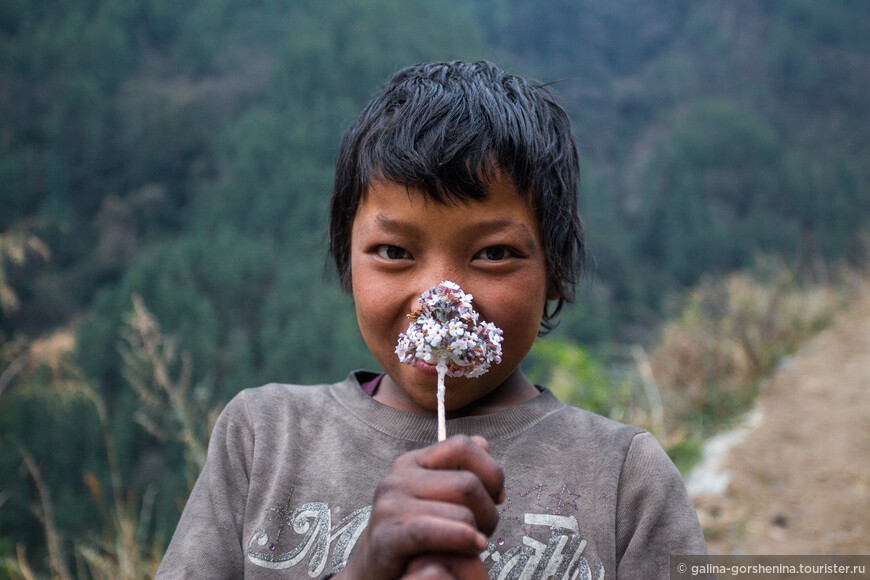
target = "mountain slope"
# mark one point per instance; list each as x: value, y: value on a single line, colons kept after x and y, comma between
x: 800, y: 480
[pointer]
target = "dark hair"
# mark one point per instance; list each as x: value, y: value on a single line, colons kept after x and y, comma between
x: 451, y: 128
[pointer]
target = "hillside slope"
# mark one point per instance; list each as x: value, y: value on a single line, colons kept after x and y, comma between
x: 800, y: 480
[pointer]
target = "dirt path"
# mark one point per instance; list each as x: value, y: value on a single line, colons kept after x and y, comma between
x: 800, y: 479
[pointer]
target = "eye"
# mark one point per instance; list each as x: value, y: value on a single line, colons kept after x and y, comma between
x: 392, y: 253
x: 495, y: 253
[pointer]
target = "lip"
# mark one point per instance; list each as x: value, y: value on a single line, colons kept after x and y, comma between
x: 426, y: 368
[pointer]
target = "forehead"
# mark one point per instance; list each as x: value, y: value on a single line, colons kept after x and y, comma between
x: 393, y: 206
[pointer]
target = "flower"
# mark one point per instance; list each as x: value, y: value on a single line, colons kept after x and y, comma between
x: 445, y: 328
x: 445, y: 332
x: 458, y: 346
x: 423, y: 352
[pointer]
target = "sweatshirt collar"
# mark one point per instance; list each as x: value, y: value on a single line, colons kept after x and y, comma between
x: 411, y: 426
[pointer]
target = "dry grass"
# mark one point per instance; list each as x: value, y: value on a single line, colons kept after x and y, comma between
x: 170, y: 410
x: 16, y: 249
x: 732, y: 332
x: 160, y: 373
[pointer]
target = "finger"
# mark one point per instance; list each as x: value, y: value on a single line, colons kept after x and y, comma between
x: 404, y: 510
x: 460, y: 495
x: 427, y: 533
x: 461, y: 452
x: 428, y: 570
x: 483, y: 443
x: 388, y: 545
x: 448, y: 511
x: 460, y: 568
x: 468, y: 569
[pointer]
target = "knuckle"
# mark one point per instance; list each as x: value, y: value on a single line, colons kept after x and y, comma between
x: 417, y: 533
x: 391, y: 484
x: 403, y: 462
x: 467, y: 483
x: 384, y: 515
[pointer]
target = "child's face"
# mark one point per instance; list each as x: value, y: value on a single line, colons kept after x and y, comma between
x: 402, y: 245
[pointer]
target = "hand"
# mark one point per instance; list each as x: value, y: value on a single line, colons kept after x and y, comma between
x: 434, y: 508
x: 446, y: 568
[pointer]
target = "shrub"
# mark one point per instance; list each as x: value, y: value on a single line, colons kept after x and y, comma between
x: 732, y: 332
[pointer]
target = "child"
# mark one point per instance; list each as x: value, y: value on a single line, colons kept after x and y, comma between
x: 460, y: 172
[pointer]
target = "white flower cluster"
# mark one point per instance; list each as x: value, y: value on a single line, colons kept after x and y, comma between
x: 446, y: 327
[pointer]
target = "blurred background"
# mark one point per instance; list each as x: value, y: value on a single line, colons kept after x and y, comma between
x: 165, y: 169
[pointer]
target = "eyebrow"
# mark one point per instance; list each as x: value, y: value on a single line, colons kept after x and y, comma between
x: 484, y: 227
x: 391, y: 224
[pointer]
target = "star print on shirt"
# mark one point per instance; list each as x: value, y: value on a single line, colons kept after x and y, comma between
x: 565, y: 500
x: 510, y: 495
x: 557, y: 511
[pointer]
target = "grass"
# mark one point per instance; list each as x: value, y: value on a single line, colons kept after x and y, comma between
x: 126, y: 548
x: 708, y: 365
x: 728, y: 336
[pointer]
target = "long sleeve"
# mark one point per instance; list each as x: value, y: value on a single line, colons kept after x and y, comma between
x: 208, y: 540
x: 655, y: 517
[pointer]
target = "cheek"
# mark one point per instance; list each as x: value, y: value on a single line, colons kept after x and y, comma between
x: 518, y: 315
x: 369, y: 308
x: 376, y: 315
x: 522, y: 323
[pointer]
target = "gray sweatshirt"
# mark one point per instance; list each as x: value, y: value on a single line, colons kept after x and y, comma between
x: 291, y: 471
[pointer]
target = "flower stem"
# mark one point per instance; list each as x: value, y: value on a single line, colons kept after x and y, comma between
x: 441, y: 367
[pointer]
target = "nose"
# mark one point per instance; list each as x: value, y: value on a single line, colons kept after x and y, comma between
x: 438, y: 269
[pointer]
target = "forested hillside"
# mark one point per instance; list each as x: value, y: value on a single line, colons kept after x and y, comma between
x: 181, y: 153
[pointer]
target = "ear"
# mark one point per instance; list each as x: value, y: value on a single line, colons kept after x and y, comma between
x: 553, y: 292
